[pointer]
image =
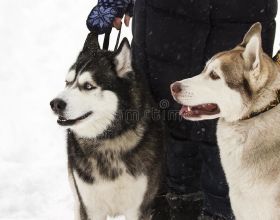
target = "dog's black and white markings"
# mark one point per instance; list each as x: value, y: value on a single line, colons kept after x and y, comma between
x: 115, y: 148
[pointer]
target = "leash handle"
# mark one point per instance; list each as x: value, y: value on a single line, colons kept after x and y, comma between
x: 107, y: 39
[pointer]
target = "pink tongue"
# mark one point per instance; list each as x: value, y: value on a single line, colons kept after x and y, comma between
x: 199, y: 109
x: 184, y: 109
x: 209, y: 107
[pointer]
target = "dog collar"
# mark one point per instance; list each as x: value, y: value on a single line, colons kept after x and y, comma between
x: 273, y: 104
x: 276, y: 58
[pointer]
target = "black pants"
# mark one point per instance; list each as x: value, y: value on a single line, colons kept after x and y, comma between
x: 193, y: 166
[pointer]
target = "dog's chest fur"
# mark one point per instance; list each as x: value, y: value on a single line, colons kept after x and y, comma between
x: 104, y: 180
x: 250, y: 157
x: 112, y: 197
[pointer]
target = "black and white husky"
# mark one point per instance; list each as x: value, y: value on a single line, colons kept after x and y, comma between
x: 114, y: 146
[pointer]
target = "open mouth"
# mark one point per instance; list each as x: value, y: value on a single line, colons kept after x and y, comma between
x: 199, y: 110
x: 67, y: 122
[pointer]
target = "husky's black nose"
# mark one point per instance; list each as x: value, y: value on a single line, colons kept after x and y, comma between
x: 58, y: 105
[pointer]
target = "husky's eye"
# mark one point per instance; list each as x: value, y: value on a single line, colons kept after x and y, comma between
x: 214, y: 76
x: 67, y: 83
x: 88, y: 86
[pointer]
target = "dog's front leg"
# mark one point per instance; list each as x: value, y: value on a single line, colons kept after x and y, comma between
x: 237, y: 204
x: 83, y: 214
x: 77, y: 213
x: 98, y: 216
x: 132, y: 215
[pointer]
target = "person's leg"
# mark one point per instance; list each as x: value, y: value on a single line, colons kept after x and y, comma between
x: 183, y: 178
x: 213, y: 183
x: 183, y: 165
x: 180, y: 198
x: 183, y: 198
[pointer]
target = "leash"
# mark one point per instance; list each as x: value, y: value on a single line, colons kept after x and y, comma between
x: 107, y: 39
x: 118, y: 39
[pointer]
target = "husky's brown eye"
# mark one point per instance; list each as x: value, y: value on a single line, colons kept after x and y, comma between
x: 88, y: 86
x: 67, y: 83
x: 214, y: 76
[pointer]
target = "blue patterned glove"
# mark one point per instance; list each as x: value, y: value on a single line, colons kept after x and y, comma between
x: 102, y: 16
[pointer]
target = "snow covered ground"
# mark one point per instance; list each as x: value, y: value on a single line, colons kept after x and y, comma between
x: 39, y: 40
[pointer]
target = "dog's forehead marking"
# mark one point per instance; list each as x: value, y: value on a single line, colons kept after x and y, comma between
x: 233, y: 71
x: 214, y: 63
x: 71, y: 75
x: 215, y: 60
x: 85, y: 77
x: 224, y: 59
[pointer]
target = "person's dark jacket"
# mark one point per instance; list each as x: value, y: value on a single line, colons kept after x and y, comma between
x: 174, y: 39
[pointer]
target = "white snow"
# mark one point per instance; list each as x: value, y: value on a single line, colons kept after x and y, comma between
x: 39, y: 40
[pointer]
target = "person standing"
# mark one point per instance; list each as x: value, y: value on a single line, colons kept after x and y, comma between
x: 172, y: 40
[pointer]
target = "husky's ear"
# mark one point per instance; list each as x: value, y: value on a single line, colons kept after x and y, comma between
x: 91, y: 44
x: 252, y: 43
x: 122, y: 59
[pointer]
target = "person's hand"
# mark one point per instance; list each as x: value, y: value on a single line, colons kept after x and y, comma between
x: 118, y: 21
x: 109, y: 13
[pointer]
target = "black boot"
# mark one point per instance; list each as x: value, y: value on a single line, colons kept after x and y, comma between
x: 178, y: 207
x: 207, y: 216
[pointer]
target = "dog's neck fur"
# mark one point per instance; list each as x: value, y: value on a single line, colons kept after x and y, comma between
x: 119, y: 144
x: 267, y: 98
x: 272, y: 104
